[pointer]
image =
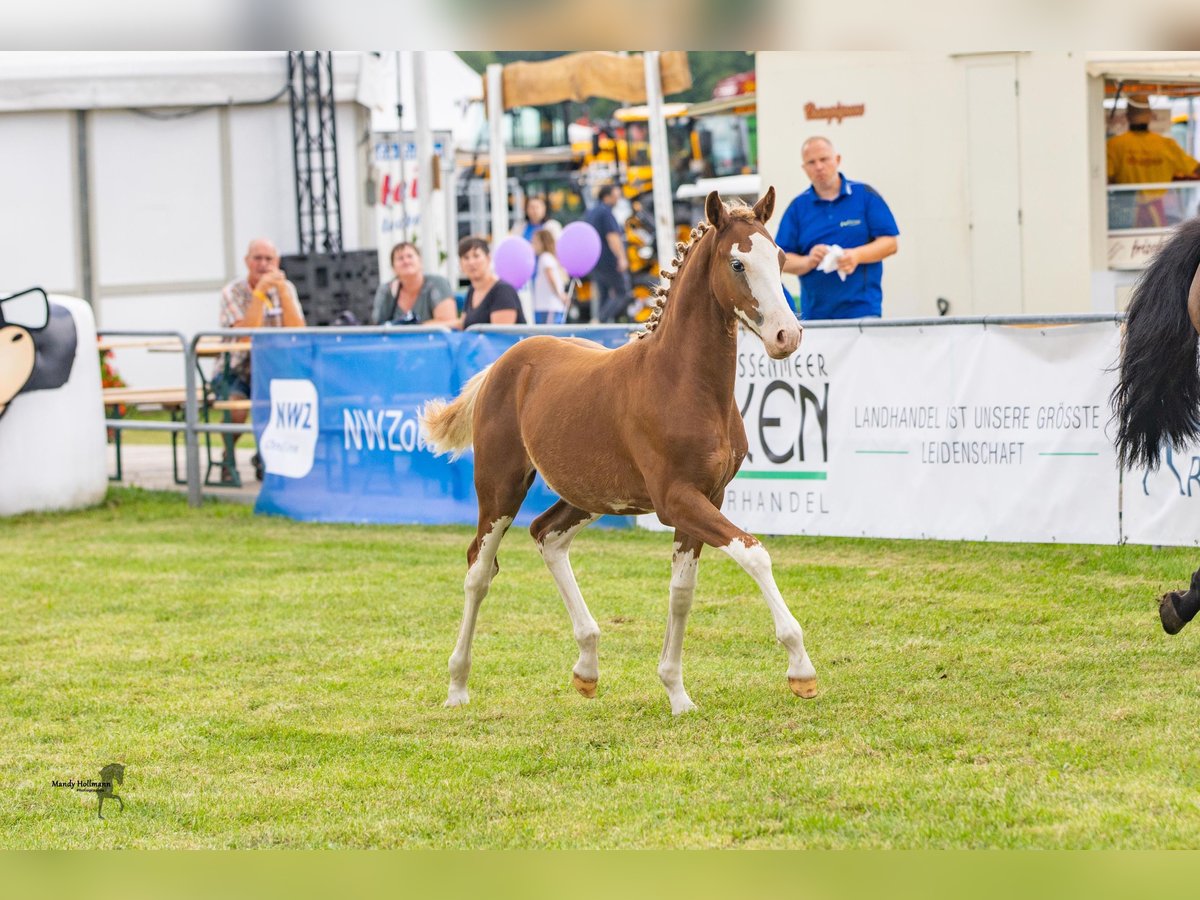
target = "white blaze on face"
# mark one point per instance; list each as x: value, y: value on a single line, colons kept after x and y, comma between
x: 763, y: 276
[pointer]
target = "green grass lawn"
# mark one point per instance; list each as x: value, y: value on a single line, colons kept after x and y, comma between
x: 272, y: 683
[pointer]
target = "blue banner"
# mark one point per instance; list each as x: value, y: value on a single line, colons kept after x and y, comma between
x: 335, y: 417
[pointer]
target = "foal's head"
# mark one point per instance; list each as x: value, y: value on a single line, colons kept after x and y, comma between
x: 744, y: 272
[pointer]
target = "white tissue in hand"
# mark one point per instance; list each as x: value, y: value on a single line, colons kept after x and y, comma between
x: 830, y: 260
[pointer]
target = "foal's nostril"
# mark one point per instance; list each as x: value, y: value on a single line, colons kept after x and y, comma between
x: 781, y: 337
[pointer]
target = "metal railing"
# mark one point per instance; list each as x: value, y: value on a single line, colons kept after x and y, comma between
x: 192, y: 427
x: 1018, y: 320
x: 190, y: 409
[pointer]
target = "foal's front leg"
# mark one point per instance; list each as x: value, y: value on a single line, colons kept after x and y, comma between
x: 691, y: 512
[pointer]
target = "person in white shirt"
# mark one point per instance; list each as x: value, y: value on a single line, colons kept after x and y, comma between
x: 535, y: 220
x: 550, y: 299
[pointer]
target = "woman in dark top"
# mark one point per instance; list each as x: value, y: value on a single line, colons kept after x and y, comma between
x: 490, y: 301
x: 413, y: 296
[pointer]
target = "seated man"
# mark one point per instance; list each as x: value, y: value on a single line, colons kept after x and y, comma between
x: 264, y: 298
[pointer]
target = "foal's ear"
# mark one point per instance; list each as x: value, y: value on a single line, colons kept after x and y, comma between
x: 715, y: 209
x: 764, y: 207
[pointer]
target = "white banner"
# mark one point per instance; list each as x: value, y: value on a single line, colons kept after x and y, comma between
x: 948, y: 431
x: 1164, y: 507
x: 397, y: 211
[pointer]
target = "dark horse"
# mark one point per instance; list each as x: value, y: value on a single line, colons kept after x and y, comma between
x: 1157, y: 397
x: 110, y: 775
x: 650, y: 426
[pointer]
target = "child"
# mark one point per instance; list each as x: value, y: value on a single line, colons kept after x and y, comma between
x: 549, y: 297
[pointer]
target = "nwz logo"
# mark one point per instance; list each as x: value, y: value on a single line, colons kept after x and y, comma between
x: 294, y: 415
x: 381, y: 429
x: 1185, y: 485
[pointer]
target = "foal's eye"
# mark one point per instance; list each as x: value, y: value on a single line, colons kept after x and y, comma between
x: 737, y: 266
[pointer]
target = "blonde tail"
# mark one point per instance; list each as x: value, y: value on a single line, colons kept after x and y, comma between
x: 447, y: 426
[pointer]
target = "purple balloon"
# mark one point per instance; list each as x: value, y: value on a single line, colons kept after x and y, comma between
x: 579, y: 249
x: 514, y: 260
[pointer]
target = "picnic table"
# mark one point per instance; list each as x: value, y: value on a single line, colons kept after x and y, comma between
x: 173, y: 400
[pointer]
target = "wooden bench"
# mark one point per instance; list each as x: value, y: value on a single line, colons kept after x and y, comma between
x: 104, y: 344
x: 230, y: 405
x: 173, y: 399
x: 164, y: 397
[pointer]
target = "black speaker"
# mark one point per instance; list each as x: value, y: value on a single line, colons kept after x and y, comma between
x: 331, y: 285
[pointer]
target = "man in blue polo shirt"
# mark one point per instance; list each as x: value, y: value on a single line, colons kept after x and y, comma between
x: 836, y: 211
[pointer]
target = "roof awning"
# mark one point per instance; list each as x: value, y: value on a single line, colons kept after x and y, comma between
x: 533, y: 156
x: 45, y: 80
x: 737, y: 103
x: 642, y: 113
x: 590, y: 73
x: 1147, y: 71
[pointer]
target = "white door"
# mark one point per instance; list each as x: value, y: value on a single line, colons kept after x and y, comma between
x: 993, y: 185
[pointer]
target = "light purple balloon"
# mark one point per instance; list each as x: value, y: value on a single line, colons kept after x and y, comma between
x: 514, y: 260
x: 579, y: 249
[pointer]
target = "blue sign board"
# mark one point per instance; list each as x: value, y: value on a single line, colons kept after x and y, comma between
x: 335, y: 416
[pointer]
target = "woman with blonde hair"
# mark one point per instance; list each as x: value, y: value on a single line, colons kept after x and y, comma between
x: 550, y: 299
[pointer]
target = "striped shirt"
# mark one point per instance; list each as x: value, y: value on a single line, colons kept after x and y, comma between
x: 235, y: 300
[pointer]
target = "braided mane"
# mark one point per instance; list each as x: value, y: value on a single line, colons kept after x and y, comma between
x: 737, y: 209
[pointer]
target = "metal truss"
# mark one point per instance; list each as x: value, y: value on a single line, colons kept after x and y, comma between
x: 314, y: 151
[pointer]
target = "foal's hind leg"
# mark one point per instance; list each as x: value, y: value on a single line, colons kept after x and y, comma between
x: 499, y: 499
x: 690, y: 511
x: 1177, y: 608
x: 685, y: 564
x: 553, y: 532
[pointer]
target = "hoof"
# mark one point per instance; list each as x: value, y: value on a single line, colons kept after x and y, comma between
x: 587, y: 688
x: 457, y: 698
x: 803, y: 687
x: 1167, y: 612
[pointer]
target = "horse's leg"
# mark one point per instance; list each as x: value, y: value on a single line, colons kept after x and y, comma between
x: 500, y: 492
x: 685, y: 564
x: 100, y: 807
x: 553, y: 532
x: 1177, y: 608
x: 693, y: 513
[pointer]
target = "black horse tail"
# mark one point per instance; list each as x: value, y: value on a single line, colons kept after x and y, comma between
x: 1157, y: 397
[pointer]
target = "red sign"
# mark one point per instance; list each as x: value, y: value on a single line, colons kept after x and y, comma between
x: 834, y: 113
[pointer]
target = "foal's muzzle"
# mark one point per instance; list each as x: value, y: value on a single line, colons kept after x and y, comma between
x: 782, y: 342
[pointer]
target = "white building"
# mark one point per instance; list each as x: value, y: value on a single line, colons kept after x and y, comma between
x: 993, y: 164
x: 136, y: 180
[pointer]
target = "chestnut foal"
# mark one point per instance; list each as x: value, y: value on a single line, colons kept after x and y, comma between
x: 650, y: 426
